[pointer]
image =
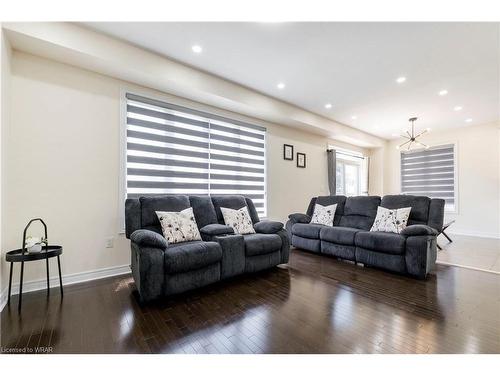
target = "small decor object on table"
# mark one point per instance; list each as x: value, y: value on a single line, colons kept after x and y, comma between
x: 33, y: 249
x: 287, y: 152
x: 301, y: 160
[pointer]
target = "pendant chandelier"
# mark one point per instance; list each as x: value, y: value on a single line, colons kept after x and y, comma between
x: 411, y: 137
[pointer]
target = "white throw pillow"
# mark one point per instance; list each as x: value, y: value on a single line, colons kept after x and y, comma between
x: 239, y: 220
x: 391, y: 220
x: 179, y: 226
x: 323, y: 214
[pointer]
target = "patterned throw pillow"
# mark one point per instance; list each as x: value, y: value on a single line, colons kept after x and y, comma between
x: 391, y: 220
x: 239, y: 220
x: 324, y: 214
x: 179, y: 226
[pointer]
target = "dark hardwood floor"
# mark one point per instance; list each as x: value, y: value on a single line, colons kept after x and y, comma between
x: 313, y: 305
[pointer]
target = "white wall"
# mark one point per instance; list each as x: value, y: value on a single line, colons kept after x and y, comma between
x: 5, y: 56
x: 478, y: 163
x: 376, y: 171
x: 63, y: 162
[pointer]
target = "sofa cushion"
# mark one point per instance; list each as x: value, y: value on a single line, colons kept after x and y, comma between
x: 189, y: 256
x: 323, y: 214
x: 339, y: 235
x: 260, y: 243
x: 179, y: 226
x: 328, y: 200
x: 383, y: 242
x: 252, y: 210
x: 239, y: 220
x: 268, y: 226
x: 204, y: 210
x: 419, y: 213
x: 391, y: 220
x: 216, y: 230
x: 168, y: 203
x: 360, y: 212
x: 234, y: 202
x: 307, y: 230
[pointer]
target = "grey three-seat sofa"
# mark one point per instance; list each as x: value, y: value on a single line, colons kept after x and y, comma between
x: 412, y: 252
x: 163, y: 269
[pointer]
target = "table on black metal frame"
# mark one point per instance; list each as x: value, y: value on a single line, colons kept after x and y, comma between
x: 16, y: 256
x: 445, y: 226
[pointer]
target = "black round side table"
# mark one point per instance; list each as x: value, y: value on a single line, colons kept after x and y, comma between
x: 16, y: 256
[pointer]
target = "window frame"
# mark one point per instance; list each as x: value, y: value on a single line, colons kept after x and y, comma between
x: 433, y: 145
x: 351, y: 153
x: 122, y: 188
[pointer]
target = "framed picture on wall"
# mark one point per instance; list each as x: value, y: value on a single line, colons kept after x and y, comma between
x: 301, y: 160
x: 287, y: 152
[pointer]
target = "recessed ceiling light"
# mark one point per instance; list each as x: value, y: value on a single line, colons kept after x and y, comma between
x: 354, y: 117
x: 468, y: 120
x: 280, y: 85
x: 328, y: 106
x: 443, y: 92
x: 197, y: 49
x: 401, y: 79
x: 457, y: 108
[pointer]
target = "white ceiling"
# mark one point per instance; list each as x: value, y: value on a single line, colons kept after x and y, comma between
x: 353, y: 66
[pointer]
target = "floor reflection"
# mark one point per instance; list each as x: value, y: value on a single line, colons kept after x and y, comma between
x: 313, y: 305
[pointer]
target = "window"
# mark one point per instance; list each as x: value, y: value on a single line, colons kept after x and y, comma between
x: 351, y: 172
x: 177, y: 150
x: 431, y: 173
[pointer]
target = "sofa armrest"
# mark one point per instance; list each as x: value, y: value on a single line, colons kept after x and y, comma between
x: 268, y: 227
x: 419, y: 230
x: 216, y: 230
x: 144, y: 237
x: 300, y: 218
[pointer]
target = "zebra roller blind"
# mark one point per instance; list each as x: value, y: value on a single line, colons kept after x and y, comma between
x: 177, y: 150
x: 430, y: 172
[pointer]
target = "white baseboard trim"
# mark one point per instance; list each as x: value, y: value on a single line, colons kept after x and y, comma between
x: 473, y: 234
x: 75, y: 278
x: 468, y: 267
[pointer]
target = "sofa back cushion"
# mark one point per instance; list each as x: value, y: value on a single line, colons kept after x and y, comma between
x: 328, y: 200
x: 252, y: 210
x: 204, y: 210
x: 234, y: 202
x: 132, y: 216
x: 310, y: 208
x: 419, y: 213
x: 436, y: 214
x: 168, y: 203
x: 359, y: 212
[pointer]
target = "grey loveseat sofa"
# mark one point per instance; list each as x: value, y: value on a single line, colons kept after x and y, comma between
x: 163, y: 269
x: 412, y: 252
